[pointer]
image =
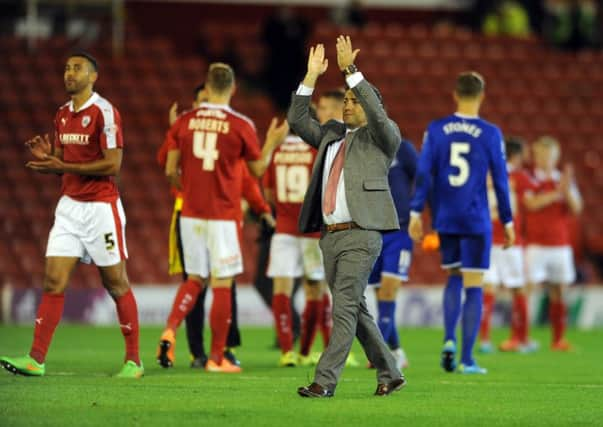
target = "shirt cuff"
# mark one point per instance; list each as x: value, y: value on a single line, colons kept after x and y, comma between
x: 304, y: 90
x: 415, y: 214
x: 354, y: 78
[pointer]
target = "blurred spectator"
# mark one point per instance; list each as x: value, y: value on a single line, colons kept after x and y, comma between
x: 350, y: 14
x: 572, y: 24
x: 285, y: 37
x: 507, y: 18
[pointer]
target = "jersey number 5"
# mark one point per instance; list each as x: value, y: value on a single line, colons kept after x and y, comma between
x: 291, y: 183
x: 457, y: 149
x: 204, y: 147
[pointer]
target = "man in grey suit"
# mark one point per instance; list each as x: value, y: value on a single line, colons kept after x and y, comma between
x: 349, y: 200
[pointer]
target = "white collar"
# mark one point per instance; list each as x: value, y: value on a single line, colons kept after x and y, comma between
x: 210, y: 105
x: 466, y: 116
x: 93, y: 98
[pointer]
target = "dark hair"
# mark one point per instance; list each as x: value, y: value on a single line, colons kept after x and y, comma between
x: 375, y: 91
x: 220, y: 77
x: 83, y: 54
x: 513, y: 146
x: 469, y: 84
x: 335, y: 94
x: 198, y: 89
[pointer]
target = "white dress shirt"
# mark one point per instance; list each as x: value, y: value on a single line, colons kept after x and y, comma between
x: 341, y: 212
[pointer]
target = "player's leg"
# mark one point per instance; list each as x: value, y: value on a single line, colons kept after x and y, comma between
x: 115, y: 281
x: 195, y: 320
x: 196, y: 263
x: 315, y: 288
x: 311, y: 317
x: 234, y: 333
x: 285, y: 264
x: 281, y: 309
x: 491, y: 280
x: 225, y: 261
x: 64, y: 250
x: 451, y: 302
x: 513, y: 278
x: 475, y: 259
x: 562, y: 273
x: 56, y: 276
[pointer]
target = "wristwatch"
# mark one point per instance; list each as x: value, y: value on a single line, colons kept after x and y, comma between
x: 349, y: 70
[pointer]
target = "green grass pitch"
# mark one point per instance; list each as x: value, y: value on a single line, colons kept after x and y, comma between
x: 544, y: 388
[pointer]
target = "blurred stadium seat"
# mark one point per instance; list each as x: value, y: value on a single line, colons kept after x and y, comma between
x: 531, y: 91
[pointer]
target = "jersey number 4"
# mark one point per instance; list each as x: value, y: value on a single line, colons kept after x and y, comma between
x: 457, y: 149
x: 291, y: 183
x: 205, y: 148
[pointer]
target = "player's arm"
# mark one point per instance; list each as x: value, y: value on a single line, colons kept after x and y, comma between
x: 500, y: 182
x: 109, y: 165
x: 570, y: 191
x: 274, y: 137
x: 172, y: 168
x: 422, y: 188
x: 385, y: 132
x: 408, y: 157
x: 535, y: 202
x: 298, y: 115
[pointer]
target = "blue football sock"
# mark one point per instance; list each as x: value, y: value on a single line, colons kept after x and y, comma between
x: 386, y: 320
x: 472, y: 315
x: 452, y: 306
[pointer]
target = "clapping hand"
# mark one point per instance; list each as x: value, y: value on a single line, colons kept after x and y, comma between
x: 39, y: 146
x: 276, y: 134
x: 345, y: 54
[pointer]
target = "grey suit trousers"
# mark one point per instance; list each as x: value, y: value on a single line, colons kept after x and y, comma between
x: 349, y: 257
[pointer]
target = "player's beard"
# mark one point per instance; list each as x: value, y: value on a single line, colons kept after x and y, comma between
x: 75, y: 86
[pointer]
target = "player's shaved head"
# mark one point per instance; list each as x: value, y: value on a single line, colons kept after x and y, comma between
x: 469, y: 85
x: 220, y: 78
x: 90, y: 60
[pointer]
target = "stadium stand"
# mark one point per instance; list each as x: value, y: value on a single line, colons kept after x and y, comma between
x: 532, y: 90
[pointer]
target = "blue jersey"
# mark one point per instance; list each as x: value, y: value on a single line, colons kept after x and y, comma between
x: 458, y: 152
x: 401, y: 180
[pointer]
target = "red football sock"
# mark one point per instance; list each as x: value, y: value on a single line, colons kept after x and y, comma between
x: 519, y: 318
x: 183, y: 303
x: 281, y: 309
x: 557, y: 318
x: 326, y: 321
x: 311, y: 316
x: 49, y: 314
x: 484, y: 329
x: 219, y: 321
x: 127, y: 312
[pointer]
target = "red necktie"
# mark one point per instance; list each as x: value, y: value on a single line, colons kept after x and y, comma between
x: 334, y: 174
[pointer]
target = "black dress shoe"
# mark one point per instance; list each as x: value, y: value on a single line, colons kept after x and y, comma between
x: 389, y: 388
x: 314, y: 390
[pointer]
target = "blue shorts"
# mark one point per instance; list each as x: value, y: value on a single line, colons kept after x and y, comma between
x: 469, y: 252
x: 394, y: 259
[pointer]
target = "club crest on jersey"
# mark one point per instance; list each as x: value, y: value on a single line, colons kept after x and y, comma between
x: 86, y: 121
x: 63, y: 121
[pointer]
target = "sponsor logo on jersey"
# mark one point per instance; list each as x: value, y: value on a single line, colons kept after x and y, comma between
x: 86, y: 121
x: 74, y: 138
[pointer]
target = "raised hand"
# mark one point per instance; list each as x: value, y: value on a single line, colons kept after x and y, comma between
x: 276, y: 133
x: 317, y: 63
x: 345, y: 54
x: 39, y: 146
x: 173, y: 116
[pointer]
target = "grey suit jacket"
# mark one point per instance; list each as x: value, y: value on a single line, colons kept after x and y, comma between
x: 369, y: 154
